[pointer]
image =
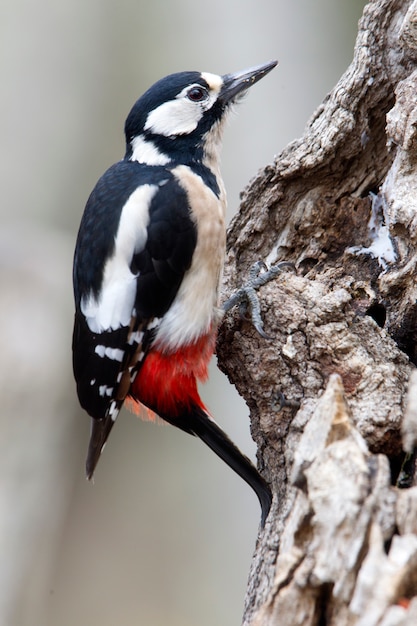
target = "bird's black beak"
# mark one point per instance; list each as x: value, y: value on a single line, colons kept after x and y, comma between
x: 238, y: 83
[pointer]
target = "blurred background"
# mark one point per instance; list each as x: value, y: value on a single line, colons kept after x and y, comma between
x: 166, y: 533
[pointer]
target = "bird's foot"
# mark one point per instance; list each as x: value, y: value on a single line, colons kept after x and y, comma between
x: 279, y: 402
x: 246, y: 296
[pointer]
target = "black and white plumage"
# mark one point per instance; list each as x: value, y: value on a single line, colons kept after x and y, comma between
x: 148, y: 261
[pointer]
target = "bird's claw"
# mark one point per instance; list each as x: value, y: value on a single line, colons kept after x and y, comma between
x: 279, y: 402
x: 259, y: 274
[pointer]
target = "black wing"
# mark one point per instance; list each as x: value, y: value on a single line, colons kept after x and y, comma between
x: 124, y: 283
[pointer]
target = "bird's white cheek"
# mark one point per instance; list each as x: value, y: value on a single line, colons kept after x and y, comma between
x: 176, y: 117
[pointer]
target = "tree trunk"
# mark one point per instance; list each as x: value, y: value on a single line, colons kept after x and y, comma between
x: 328, y: 395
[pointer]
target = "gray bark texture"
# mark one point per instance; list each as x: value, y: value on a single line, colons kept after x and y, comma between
x: 332, y: 393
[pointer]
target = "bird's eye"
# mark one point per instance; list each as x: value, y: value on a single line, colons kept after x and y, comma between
x: 197, y: 94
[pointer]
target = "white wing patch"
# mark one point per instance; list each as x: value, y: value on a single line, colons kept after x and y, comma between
x: 135, y: 337
x: 115, y: 354
x: 114, y: 305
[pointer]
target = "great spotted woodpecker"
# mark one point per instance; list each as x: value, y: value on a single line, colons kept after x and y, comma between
x: 147, y: 266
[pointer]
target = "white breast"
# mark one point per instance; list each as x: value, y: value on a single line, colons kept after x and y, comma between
x: 195, y: 308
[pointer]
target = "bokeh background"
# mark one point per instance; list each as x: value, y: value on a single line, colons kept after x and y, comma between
x: 166, y: 533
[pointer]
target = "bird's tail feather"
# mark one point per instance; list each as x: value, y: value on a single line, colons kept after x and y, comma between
x: 214, y: 437
x: 100, y: 431
x: 199, y: 423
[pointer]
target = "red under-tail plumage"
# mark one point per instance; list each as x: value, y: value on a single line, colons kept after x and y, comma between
x: 167, y: 381
x: 167, y: 384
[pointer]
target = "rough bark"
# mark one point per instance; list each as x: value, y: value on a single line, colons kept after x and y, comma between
x: 340, y: 544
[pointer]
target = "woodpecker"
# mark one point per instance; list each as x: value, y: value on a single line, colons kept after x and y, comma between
x: 148, y: 262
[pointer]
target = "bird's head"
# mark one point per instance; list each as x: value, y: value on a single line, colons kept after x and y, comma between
x: 180, y: 118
